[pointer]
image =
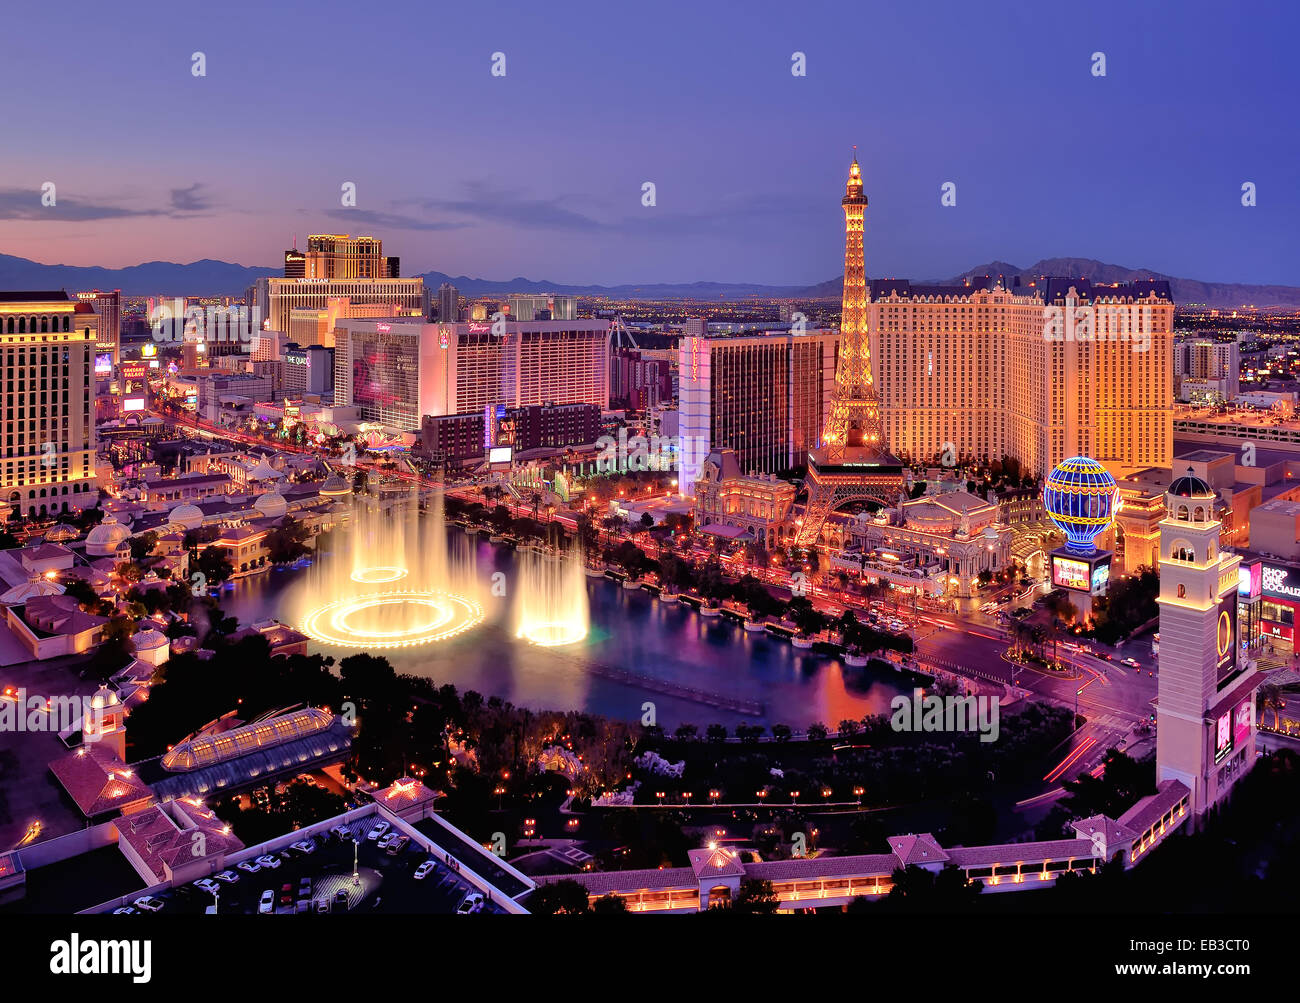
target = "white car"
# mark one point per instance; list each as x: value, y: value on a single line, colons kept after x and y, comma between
x: 1132, y: 663
x: 249, y: 866
x: 472, y: 902
x: 305, y: 845
x: 388, y: 840
x: 266, y: 904
x: 227, y: 877
x: 378, y: 830
x: 126, y: 910
x: 266, y: 860
x: 148, y: 903
x: 207, y: 885
x: 424, y: 869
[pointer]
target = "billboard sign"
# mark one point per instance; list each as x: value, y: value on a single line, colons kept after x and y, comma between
x: 1223, y: 736
x: 1225, y: 637
x: 1242, y: 720
x: 1070, y: 574
x: 1250, y: 580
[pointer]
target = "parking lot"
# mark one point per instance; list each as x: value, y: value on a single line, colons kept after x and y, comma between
x: 386, y: 883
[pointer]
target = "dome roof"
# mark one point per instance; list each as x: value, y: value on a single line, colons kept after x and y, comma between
x: 61, y: 533
x: 335, y: 486
x: 1190, y: 486
x: 272, y: 505
x: 187, y: 515
x: 108, y: 536
x: 37, y: 586
x: 148, y: 640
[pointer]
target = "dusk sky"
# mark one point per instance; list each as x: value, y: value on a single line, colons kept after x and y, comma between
x: 539, y: 173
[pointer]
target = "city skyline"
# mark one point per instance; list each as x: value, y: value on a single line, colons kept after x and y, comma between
x: 546, y: 171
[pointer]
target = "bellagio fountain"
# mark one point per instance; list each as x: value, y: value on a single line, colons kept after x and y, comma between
x: 394, y: 579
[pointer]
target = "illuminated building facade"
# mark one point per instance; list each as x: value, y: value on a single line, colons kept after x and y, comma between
x: 1205, y: 735
x: 523, y: 308
x: 758, y: 505
x: 108, y: 307
x: 1039, y: 373
x: 277, y: 298
x: 341, y: 256
x: 763, y: 396
x: 397, y: 371
x: 47, y: 348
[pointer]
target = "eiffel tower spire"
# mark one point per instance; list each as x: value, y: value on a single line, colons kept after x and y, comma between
x: 854, y: 419
x: 852, y: 464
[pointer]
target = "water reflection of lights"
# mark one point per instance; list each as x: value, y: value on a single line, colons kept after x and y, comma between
x: 378, y: 576
x: 552, y: 634
x: 415, y: 618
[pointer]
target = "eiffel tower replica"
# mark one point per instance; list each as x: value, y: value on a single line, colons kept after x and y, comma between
x: 852, y: 463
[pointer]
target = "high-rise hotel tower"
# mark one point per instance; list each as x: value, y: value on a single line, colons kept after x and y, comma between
x: 1041, y: 372
x: 47, y: 349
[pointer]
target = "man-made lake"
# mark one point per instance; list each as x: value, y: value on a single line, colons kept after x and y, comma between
x: 666, y: 647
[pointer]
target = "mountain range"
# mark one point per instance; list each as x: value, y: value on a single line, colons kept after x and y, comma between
x: 222, y: 278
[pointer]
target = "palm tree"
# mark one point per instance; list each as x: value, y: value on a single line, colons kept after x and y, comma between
x: 1271, y: 698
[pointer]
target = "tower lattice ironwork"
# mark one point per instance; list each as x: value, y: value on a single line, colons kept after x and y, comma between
x: 852, y: 463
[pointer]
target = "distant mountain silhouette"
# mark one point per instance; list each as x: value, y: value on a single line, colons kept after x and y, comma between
x: 654, y: 290
x: 1186, y: 291
x: 221, y: 278
x: 198, y: 278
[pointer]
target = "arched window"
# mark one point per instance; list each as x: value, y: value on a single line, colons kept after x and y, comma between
x: 66, y: 319
x: 45, y: 325
x: 22, y: 325
x: 1182, y: 591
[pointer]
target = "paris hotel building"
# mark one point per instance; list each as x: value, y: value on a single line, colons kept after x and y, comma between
x: 983, y: 369
x: 47, y: 349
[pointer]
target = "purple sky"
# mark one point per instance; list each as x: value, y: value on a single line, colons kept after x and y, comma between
x: 539, y: 173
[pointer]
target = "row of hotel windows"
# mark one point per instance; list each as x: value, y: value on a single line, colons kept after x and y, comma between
x: 36, y: 325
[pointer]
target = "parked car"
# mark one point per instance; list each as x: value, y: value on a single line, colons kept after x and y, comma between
x: 227, y: 877
x: 424, y: 870
x: 249, y: 866
x: 472, y: 902
x: 341, y: 898
x: 266, y: 904
x: 398, y: 845
x: 207, y: 885
x: 126, y: 910
x: 322, y: 905
x: 305, y: 845
x: 304, y: 887
x: 286, y: 894
x: 267, y: 860
x: 149, y: 903
x: 387, y: 840
x: 377, y: 830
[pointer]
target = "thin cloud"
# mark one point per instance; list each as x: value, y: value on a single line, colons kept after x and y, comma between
x: 392, y: 221
x: 25, y: 204
x: 191, y: 199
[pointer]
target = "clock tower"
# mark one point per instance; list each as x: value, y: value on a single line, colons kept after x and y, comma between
x: 1205, y: 700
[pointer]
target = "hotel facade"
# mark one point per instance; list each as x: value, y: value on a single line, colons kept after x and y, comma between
x: 397, y: 371
x: 47, y: 349
x: 764, y: 396
x: 1040, y: 373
